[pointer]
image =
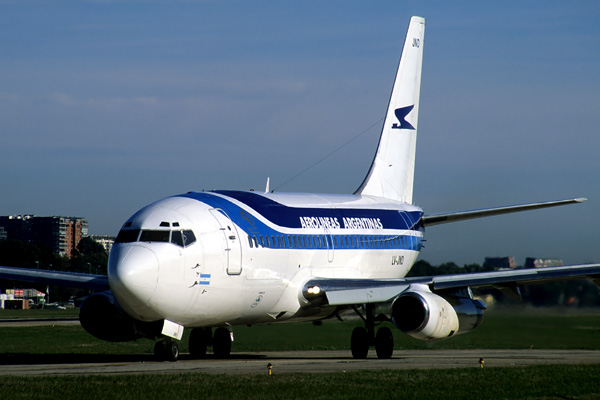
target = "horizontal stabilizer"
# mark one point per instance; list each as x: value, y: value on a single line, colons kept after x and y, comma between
x: 443, y: 218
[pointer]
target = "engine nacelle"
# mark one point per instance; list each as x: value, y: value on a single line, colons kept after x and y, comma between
x: 427, y: 316
x: 102, y: 317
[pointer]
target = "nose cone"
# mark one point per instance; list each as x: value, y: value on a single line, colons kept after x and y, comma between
x: 133, y: 276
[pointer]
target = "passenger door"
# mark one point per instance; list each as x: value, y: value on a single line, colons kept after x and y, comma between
x: 233, y: 245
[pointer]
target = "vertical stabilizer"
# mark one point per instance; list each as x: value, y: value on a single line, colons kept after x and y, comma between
x: 392, y: 171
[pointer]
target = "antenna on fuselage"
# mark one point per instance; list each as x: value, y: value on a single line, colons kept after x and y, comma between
x: 268, y: 189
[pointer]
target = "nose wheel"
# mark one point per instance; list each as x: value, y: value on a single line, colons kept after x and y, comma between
x: 166, y: 350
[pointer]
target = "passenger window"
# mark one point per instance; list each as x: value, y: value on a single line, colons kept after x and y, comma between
x: 255, y: 241
x: 250, y: 243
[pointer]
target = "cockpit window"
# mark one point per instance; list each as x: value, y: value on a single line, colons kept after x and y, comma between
x: 155, y: 236
x: 188, y: 237
x: 177, y: 238
x: 128, y: 236
x: 181, y: 238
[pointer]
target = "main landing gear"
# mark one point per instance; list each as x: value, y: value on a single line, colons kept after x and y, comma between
x: 363, y: 338
x: 202, y: 338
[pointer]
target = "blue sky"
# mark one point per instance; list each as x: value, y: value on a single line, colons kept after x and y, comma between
x: 106, y: 106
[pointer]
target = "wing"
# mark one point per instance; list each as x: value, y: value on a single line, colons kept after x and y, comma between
x: 442, y: 218
x: 71, y: 279
x: 337, y: 292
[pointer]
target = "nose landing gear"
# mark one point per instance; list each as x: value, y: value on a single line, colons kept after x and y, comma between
x: 166, y: 350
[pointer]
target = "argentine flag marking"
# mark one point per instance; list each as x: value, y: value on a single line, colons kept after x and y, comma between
x: 204, y: 279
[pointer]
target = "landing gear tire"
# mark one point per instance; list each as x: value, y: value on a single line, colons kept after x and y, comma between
x: 222, y: 343
x: 166, y: 351
x: 384, y: 343
x: 160, y: 351
x: 359, y: 343
x: 200, y: 339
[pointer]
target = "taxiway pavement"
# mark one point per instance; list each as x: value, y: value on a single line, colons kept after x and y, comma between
x: 286, y: 362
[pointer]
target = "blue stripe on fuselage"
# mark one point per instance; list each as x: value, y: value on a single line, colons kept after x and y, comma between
x: 336, y: 221
x: 346, y: 218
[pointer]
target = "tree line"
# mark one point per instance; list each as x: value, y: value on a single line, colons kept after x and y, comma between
x: 89, y: 257
x: 573, y: 293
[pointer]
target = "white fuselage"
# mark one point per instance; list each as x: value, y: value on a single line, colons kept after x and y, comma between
x: 217, y: 258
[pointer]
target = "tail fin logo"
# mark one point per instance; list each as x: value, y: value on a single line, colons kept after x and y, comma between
x: 401, y: 114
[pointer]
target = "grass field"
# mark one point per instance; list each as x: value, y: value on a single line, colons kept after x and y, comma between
x: 545, y: 329
x: 38, y: 313
x: 543, y: 382
x: 537, y: 328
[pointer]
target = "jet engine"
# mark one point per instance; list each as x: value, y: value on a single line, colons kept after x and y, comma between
x: 102, y: 317
x: 428, y: 316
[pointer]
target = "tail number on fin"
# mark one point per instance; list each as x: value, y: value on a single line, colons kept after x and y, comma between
x: 416, y: 42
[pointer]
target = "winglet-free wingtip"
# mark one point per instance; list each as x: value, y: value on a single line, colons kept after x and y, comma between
x: 580, y: 199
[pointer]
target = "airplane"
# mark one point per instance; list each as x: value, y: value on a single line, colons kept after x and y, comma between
x: 215, y: 259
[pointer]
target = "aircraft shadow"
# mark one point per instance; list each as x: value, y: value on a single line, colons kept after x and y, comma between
x: 65, y: 358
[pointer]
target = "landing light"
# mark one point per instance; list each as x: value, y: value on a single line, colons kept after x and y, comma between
x: 314, y: 290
